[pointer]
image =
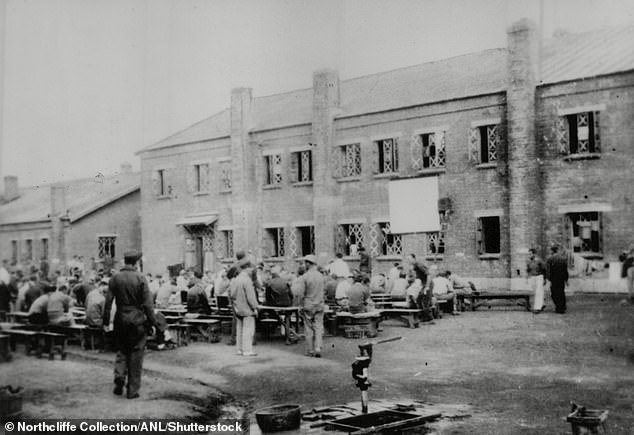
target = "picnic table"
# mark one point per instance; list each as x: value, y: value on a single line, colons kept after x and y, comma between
x: 381, y: 300
x: 208, y: 329
x: 286, y: 313
x: 18, y: 317
x: 173, y: 311
x: 481, y: 298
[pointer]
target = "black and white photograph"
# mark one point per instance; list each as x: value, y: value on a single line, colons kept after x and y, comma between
x: 317, y: 216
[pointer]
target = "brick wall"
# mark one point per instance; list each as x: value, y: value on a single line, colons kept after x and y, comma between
x: 120, y: 218
x: 527, y: 187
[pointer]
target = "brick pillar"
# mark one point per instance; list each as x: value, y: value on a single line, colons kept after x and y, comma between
x: 58, y: 219
x: 244, y: 231
x: 525, y: 206
x: 326, y: 201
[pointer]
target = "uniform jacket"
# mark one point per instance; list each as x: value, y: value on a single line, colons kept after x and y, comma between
x: 134, y: 312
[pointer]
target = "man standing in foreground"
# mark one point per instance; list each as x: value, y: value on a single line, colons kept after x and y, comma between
x: 130, y: 290
x: 311, y: 306
x: 557, y: 274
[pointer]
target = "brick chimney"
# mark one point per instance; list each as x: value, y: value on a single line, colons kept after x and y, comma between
x: 326, y: 198
x: 524, y: 175
x: 242, y: 164
x: 11, y: 188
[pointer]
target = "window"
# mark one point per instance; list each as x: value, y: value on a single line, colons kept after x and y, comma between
x: 198, y: 178
x: 386, y: 156
x: 484, y: 143
x: 391, y: 244
x: 435, y: 240
x: 227, y: 243
x: 488, y: 235
x: 349, y: 237
x: 301, y: 167
x: 106, y: 246
x: 274, y: 242
x: 28, y: 249
x: 44, y: 248
x: 159, y: 183
x: 225, y: 176
x: 15, y: 252
x: 273, y: 169
x: 428, y: 151
x: 306, y: 240
x: 578, y: 133
x: 584, y: 233
x: 347, y: 161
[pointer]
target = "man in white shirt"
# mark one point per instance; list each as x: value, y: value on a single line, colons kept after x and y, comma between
x: 442, y: 290
x: 339, y: 268
x: 341, y: 292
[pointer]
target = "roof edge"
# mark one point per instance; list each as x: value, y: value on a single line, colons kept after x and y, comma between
x: 93, y: 208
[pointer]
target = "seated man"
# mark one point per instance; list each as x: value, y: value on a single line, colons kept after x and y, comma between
x: 165, y: 291
x: 39, y: 308
x: 377, y: 283
x: 277, y: 290
x: 341, y: 292
x: 442, y: 290
x: 359, y: 294
x: 399, y: 287
x: 59, y: 304
x: 197, y: 302
x: 330, y: 289
x: 95, y: 303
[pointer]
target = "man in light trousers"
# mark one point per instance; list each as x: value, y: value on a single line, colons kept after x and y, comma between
x: 311, y: 305
x: 245, y: 307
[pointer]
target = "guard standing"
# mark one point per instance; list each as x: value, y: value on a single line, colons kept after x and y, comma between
x: 134, y: 314
x: 557, y: 273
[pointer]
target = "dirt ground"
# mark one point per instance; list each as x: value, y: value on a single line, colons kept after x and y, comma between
x: 508, y: 370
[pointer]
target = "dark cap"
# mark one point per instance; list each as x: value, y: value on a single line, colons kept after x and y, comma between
x: 131, y: 256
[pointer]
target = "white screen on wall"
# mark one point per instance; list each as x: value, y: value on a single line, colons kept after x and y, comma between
x: 414, y: 205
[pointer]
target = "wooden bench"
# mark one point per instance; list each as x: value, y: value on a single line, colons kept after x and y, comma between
x: 74, y: 333
x: 207, y: 329
x: 29, y: 338
x: 411, y: 316
x: 180, y: 332
x: 52, y: 343
x: 479, y: 298
x: 359, y: 325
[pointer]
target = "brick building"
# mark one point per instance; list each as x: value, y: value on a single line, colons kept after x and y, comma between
x: 509, y: 148
x: 95, y: 218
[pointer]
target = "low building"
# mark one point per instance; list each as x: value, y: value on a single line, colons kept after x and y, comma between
x: 467, y: 162
x: 94, y: 218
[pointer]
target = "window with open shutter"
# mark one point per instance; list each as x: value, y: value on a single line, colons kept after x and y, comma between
x: 416, y: 152
x: 493, y: 143
x: 292, y: 243
x: 440, y: 158
x: 562, y: 135
x: 578, y: 134
x: 597, y: 139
